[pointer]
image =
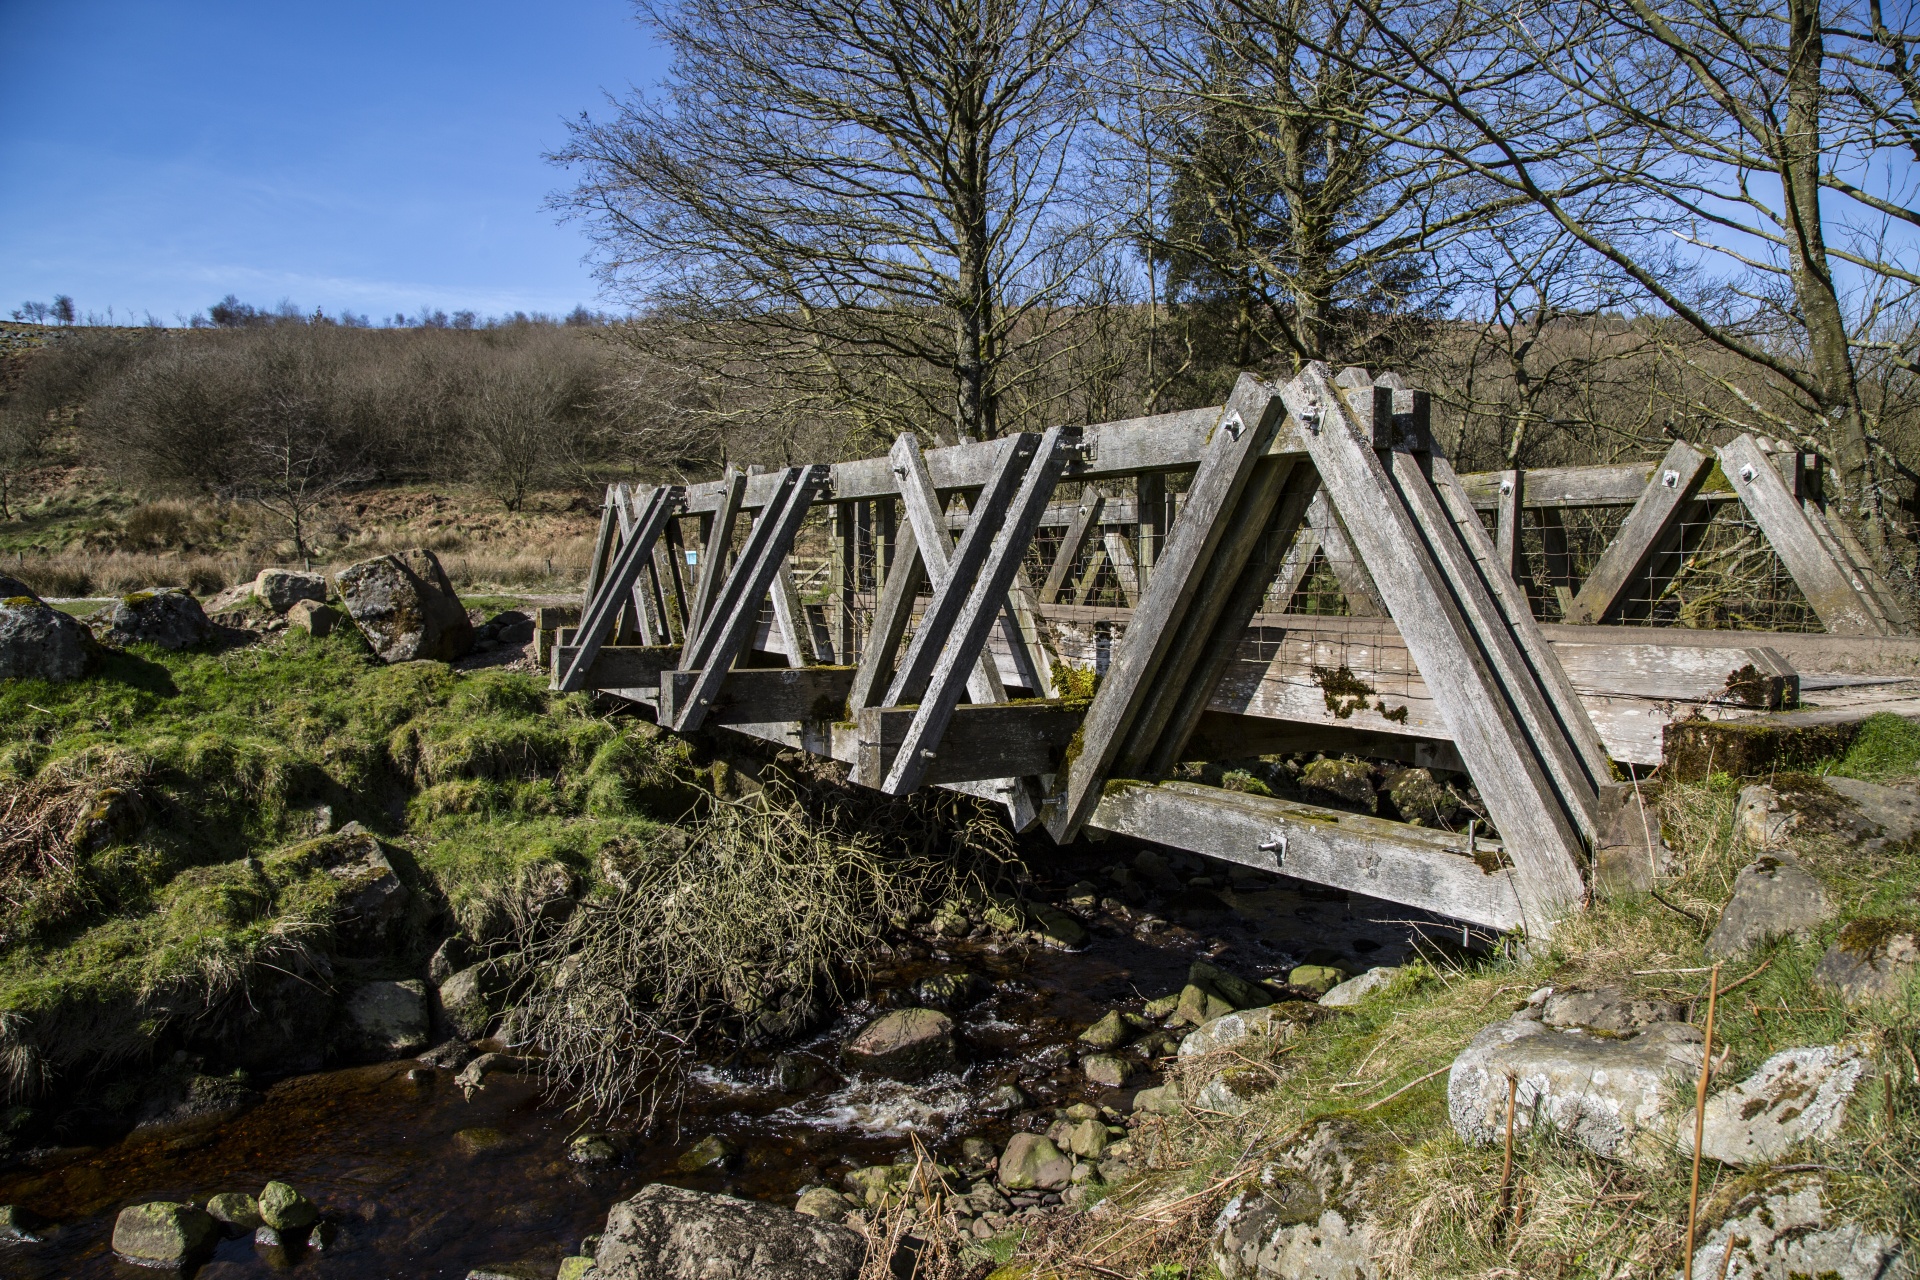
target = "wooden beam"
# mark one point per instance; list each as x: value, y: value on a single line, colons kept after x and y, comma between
x: 1125, y: 572
x: 846, y: 570
x: 669, y: 567
x: 924, y: 515
x: 603, y: 610
x: 1001, y: 740
x: 1556, y: 488
x: 738, y: 608
x: 1021, y: 627
x: 1413, y: 866
x: 1295, y: 565
x: 1507, y: 525
x: 603, y: 543
x: 716, y: 548
x: 1809, y: 653
x: 623, y: 666
x: 755, y: 695
x: 1090, y: 577
x: 791, y: 618
x: 1836, y: 596
x: 1542, y: 837
x: 1242, y: 435
x: 890, y: 619
x: 648, y: 606
x: 1651, y: 530
x: 972, y: 595
x: 1086, y: 518
x: 1356, y: 584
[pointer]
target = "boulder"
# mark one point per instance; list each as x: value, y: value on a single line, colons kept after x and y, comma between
x: 38, y: 642
x: 1873, y: 959
x: 1004, y: 1099
x: 824, y: 1203
x: 906, y: 1044
x: 281, y: 589
x: 1796, y: 1096
x: 1772, y: 895
x: 1032, y: 1163
x: 1251, y: 1033
x: 162, y: 1234
x: 949, y: 992
x: 1196, y: 1005
x: 592, y: 1150
x: 237, y: 1211
x: 669, y: 1233
x: 1088, y: 1139
x: 1161, y: 1100
x: 467, y: 1000
x: 1231, y: 1092
x: 312, y: 617
x: 449, y: 958
x: 1615, y: 1097
x: 793, y: 1072
x: 1881, y: 815
x: 166, y: 617
x: 1782, y: 1231
x: 1607, y: 1011
x: 406, y: 608
x: 1317, y: 978
x: 577, y: 1267
x: 1106, y: 1070
x: 286, y: 1210
x: 1354, y: 990
x: 1760, y: 819
x: 1307, y: 1217
x: 390, y: 1017
x: 1110, y: 1032
x: 711, y: 1153
x: 874, y: 1185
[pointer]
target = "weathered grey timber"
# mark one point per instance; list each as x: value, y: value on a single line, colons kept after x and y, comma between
x: 1003, y: 740
x: 1356, y: 584
x: 930, y: 538
x: 1086, y: 518
x: 715, y: 548
x: 754, y: 695
x: 602, y: 613
x: 620, y: 666
x: 1651, y: 534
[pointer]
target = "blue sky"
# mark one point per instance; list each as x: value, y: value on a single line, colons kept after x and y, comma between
x: 376, y: 157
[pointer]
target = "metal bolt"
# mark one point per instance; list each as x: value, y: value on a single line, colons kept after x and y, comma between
x: 1277, y: 847
x: 1746, y: 473
x: 1671, y: 479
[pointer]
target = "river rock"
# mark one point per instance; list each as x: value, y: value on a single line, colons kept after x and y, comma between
x: 449, y: 958
x: 406, y: 608
x: 1884, y: 815
x: 281, y: 589
x: 1236, y: 991
x: 712, y: 1152
x: 1032, y: 1163
x: 793, y: 1072
x: 668, y: 1233
x: 1603, y: 1093
x: 874, y: 1185
x: 474, y: 1075
x: 1004, y: 1099
x: 1795, y: 1096
x: 1607, y: 1011
x: 824, y: 1203
x: 1106, y: 1070
x: 592, y: 1150
x: 1088, y: 1139
x: 1252, y: 1033
x: 577, y: 1267
x: 19, y: 1225
x: 1772, y: 895
x: 467, y: 1000
x: 1354, y: 990
x: 1231, y: 1092
x: 950, y: 992
x: 1317, y: 978
x: 390, y: 1017
x: 1873, y: 959
x: 237, y: 1211
x: 166, y: 617
x: 371, y: 901
x: 1783, y: 1231
x: 1110, y: 1032
x: 1307, y: 1217
x: 906, y: 1044
x: 1055, y: 928
x: 162, y: 1234
x: 1760, y: 819
x: 1197, y: 1005
x: 1161, y: 1100
x: 286, y: 1210
x: 38, y: 642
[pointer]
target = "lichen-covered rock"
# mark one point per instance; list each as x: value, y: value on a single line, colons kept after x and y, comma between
x: 1773, y: 895
x: 1760, y: 819
x: 1783, y: 1231
x: 1873, y: 959
x: 668, y: 1233
x: 712, y: 1153
x: 824, y: 1203
x: 390, y: 1018
x: 1317, y: 978
x: 1608, y: 1011
x: 1106, y: 1070
x: 372, y: 904
x: 1251, y: 1033
x: 312, y: 617
x: 467, y: 1000
x: 285, y: 1209
x: 1055, y: 928
x: 237, y: 1211
x: 37, y: 641
x: 164, y: 616
x: 1235, y: 990
x: 1032, y: 1162
x: 1420, y: 799
x: 1307, y: 1218
x: 1348, y: 780
x: 406, y: 608
x: 1354, y: 990
x: 1110, y: 1032
x: 1231, y: 1092
x: 162, y: 1234
x: 906, y: 1044
x: 280, y: 589
x: 1796, y: 1096
x: 1615, y: 1097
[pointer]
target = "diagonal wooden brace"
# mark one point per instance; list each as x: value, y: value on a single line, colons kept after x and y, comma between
x: 603, y: 611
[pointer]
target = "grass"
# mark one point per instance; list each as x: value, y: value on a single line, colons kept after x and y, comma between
x: 154, y: 813
x: 1436, y: 1200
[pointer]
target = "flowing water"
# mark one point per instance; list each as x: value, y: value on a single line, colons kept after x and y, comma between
x: 426, y: 1182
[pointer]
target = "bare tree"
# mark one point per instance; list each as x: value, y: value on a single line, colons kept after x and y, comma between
x: 869, y: 197
x: 297, y: 447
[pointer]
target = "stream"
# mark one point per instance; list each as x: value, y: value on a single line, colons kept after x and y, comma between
x: 419, y: 1189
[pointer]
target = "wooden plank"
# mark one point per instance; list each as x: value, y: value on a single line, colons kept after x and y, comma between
x: 1249, y: 425
x: 1555, y: 488
x: 603, y: 611
x: 1897, y: 617
x: 649, y: 608
x: 790, y: 617
x: 1296, y: 565
x: 1542, y: 837
x: 738, y: 608
x: 1652, y: 528
x: 1004, y: 740
x: 624, y: 666
x: 1356, y: 584
x: 1507, y: 539
x: 1021, y: 624
x: 1124, y: 570
x: 1086, y: 518
x: 846, y: 568
x: 670, y: 560
x: 1390, y: 860
x: 924, y: 515
x: 890, y: 619
x: 1153, y: 521
x: 1835, y: 595
x: 715, y: 550
x: 1809, y: 653
x: 1096, y: 560
x: 751, y: 695
x: 973, y: 594
x: 603, y: 542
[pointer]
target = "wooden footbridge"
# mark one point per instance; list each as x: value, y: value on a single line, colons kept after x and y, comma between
x: 1065, y: 622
